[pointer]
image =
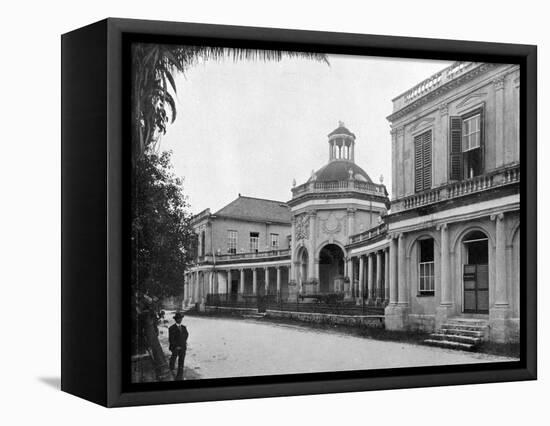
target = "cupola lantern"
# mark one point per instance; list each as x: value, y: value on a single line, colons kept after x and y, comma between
x: 341, y: 144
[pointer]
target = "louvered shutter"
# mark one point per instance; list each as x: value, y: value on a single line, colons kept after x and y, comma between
x: 455, y: 152
x: 418, y: 164
x: 427, y: 160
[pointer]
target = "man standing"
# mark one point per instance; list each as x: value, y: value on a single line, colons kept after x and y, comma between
x: 177, y: 336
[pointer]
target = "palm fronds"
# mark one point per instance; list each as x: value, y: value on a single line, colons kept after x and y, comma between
x: 153, y: 69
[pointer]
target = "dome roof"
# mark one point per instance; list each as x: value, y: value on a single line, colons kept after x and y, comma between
x: 341, y: 130
x: 339, y: 170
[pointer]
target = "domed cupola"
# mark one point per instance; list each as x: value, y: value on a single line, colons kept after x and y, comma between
x: 341, y: 165
x: 341, y: 144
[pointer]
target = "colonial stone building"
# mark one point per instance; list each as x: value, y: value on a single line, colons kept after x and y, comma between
x: 454, y: 222
x: 338, y: 201
x: 243, y: 249
x: 441, y: 256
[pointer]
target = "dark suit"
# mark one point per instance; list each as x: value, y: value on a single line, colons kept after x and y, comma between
x: 177, y: 337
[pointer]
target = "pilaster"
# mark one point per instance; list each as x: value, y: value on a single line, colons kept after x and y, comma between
x: 499, y: 313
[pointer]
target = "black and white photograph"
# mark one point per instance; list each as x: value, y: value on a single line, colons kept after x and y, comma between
x: 275, y: 213
x: 301, y: 212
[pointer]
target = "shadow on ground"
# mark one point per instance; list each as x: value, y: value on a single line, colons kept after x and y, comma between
x: 54, y: 382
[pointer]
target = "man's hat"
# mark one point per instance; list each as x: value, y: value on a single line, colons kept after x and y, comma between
x: 178, y: 315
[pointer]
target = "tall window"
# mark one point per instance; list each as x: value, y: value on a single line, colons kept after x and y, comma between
x: 466, y: 145
x: 274, y: 241
x: 423, y: 161
x: 203, y: 242
x: 426, y: 278
x: 254, y: 239
x: 232, y: 242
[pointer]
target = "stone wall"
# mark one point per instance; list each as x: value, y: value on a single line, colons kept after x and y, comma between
x: 356, y: 320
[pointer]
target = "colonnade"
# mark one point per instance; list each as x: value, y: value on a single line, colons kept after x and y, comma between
x: 371, y: 283
x: 200, y: 282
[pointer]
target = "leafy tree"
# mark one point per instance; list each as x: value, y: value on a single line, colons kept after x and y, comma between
x: 161, y: 231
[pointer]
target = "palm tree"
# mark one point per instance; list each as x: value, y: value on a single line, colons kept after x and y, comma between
x: 154, y: 66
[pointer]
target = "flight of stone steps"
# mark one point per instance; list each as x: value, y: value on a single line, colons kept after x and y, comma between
x: 460, y: 333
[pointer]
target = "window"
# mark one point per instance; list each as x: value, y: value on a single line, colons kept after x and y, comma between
x: 254, y: 239
x: 203, y: 243
x: 466, y: 145
x: 423, y: 161
x: 426, y: 278
x: 274, y: 241
x: 232, y: 242
x: 471, y: 133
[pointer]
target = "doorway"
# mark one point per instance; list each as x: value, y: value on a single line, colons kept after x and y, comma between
x: 476, y: 273
x: 331, y: 267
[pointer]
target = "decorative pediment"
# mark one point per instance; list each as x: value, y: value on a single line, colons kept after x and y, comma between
x: 423, y: 122
x: 470, y: 98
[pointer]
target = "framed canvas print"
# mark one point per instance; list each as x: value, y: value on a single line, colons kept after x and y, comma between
x: 254, y: 212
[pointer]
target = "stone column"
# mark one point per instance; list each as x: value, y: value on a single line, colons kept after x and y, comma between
x: 201, y: 291
x: 185, y: 289
x: 196, y: 291
x: 445, y: 308
x: 402, y: 296
x: 500, y: 312
x: 241, y: 282
x: 349, y: 275
x: 394, y: 163
x: 498, y: 85
x: 266, y: 280
x: 387, y: 276
x: 370, y: 279
x: 361, y: 277
x: 254, y: 282
x: 400, y: 165
x: 501, y: 290
x: 396, y: 313
x: 446, y: 289
x: 211, y: 282
x: 393, y: 271
x: 378, y: 277
x: 312, y: 273
x: 292, y: 271
x: 229, y: 278
x: 278, y: 282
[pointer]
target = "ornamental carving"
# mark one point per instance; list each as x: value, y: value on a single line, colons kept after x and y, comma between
x: 498, y: 83
x: 332, y: 224
x: 302, y: 228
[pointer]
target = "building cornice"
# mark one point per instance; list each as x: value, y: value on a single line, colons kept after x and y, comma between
x: 438, y: 91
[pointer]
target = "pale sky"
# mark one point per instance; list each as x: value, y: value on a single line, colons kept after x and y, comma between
x: 252, y: 127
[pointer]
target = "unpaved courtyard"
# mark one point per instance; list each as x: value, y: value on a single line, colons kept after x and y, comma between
x: 222, y: 347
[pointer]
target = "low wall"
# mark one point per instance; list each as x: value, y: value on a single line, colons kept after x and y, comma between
x: 376, y: 321
x: 230, y: 310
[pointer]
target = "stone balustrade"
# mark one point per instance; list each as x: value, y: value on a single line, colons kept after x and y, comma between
x: 461, y: 188
x: 339, y: 186
x: 249, y: 255
x: 433, y: 83
x: 369, y: 233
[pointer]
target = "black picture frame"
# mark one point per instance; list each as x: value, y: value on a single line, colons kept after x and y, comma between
x: 95, y: 173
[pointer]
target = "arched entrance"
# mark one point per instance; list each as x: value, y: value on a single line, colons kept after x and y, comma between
x: 302, y: 266
x: 331, y: 269
x: 476, y: 272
